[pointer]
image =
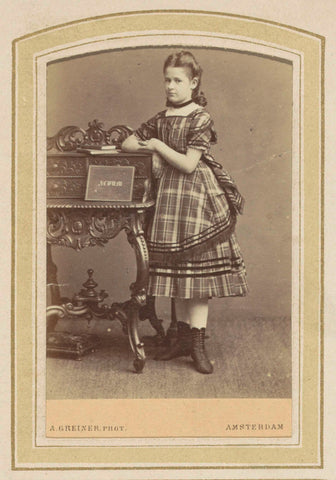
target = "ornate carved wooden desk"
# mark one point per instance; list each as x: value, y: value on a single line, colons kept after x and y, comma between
x: 76, y: 223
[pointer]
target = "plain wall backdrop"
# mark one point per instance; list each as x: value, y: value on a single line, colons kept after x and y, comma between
x: 250, y: 99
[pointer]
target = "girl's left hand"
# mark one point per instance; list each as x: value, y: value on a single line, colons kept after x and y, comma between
x: 158, y: 165
x: 150, y: 145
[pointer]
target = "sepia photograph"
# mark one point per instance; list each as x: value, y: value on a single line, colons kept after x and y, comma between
x: 207, y: 135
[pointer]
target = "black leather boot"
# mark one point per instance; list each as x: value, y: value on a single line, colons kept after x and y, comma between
x: 198, y: 353
x: 180, y: 345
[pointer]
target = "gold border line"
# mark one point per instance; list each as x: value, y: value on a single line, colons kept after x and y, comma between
x: 36, y: 240
x: 13, y: 265
x: 167, y: 11
x: 203, y: 47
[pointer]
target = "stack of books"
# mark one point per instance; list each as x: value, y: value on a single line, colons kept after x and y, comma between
x: 98, y: 150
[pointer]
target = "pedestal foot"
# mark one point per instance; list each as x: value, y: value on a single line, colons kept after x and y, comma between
x: 138, y: 365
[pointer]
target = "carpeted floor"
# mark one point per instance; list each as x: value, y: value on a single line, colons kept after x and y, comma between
x: 251, y: 355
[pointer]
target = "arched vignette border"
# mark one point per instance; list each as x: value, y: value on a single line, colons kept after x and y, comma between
x: 23, y: 136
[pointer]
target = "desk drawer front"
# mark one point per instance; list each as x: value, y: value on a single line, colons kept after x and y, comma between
x: 66, y: 166
x: 67, y: 174
x: 66, y: 187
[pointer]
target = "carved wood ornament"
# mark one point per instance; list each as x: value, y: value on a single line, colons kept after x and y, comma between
x: 69, y: 138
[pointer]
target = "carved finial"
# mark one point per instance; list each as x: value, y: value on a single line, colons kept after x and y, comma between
x: 89, y: 294
x: 89, y: 285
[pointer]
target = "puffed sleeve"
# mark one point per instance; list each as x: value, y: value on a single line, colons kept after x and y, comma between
x: 147, y: 130
x: 202, y: 132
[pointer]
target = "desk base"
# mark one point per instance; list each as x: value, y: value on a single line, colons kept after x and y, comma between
x: 79, y: 228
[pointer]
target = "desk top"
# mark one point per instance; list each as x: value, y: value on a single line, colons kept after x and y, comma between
x: 102, y: 153
x: 86, y: 204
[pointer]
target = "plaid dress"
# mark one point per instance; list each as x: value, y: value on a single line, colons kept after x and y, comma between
x: 193, y: 250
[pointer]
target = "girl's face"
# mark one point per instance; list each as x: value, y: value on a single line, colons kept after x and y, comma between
x: 178, y: 84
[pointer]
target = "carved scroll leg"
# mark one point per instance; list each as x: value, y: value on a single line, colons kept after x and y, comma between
x: 53, y: 287
x: 135, y: 236
x: 136, y: 345
x: 54, y: 312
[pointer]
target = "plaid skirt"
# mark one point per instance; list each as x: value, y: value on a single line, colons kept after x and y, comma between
x: 193, y: 250
x: 217, y: 272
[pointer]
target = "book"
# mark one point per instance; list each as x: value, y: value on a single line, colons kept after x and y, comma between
x: 97, y: 147
x: 98, y: 151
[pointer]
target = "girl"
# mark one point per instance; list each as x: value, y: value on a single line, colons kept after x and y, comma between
x: 193, y: 251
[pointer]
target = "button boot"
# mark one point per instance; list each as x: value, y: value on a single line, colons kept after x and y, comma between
x: 198, y: 352
x: 179, y: 346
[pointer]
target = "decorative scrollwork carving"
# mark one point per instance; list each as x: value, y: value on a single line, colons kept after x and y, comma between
x: 69, y: 138
x: 117, y: 134
x: 83, y: 228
